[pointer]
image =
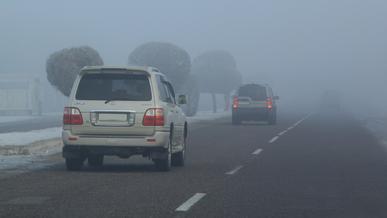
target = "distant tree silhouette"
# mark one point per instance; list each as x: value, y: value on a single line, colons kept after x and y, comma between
x: 63, y: 66
x: 175, y: 63
x: 216, y: 72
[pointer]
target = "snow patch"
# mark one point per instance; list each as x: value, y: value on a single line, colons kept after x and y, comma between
x: 25, y: 138
x: 8, y: 119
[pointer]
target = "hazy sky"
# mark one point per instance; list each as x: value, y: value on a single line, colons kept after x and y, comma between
x: 303, y: 43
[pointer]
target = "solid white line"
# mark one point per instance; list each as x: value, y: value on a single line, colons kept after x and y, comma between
x: 190, y: 202
x: 235, y: 170
x: 256, y: 152
x: 274, y: 139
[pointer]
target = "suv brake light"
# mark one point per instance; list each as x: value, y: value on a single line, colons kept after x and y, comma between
x: 72, y: 116
x: 235, y: 103
x: 269, y: 103
x: 153, y: 117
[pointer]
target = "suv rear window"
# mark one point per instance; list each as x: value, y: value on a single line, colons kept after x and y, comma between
x: 114, y: 86
x: 255, y: 92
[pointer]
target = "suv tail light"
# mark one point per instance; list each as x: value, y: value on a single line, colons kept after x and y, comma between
x: 72, y: 116
x: 269, y: 103
x: 235, y: 103
x: 153, y: 117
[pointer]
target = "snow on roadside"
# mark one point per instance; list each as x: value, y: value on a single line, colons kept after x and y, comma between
x: 378, y: 127
x: 8, y: 119
x: 11, y: 119
x: 25, y: 138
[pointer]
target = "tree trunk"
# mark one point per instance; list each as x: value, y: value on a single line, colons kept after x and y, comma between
x: 213, y: 102
x: 226, y: 101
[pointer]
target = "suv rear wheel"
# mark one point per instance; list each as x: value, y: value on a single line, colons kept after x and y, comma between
x: 165, y: 163
x: 74, y: 164
x: 178, y: 159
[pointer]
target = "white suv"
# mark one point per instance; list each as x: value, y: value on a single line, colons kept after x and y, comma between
x: 123, y: 111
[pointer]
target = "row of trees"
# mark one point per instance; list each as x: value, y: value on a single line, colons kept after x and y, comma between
x: 213, y: 72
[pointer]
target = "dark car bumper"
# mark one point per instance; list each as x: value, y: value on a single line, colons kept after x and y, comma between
x: 256, y: 114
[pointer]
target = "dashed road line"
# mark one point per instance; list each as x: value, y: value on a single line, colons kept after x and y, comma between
x: 289, y: 128
x: 235, y: 170
x: 281, y: 133
x: 258, y: 151
x: 274, y: 139
x: 190, y: 202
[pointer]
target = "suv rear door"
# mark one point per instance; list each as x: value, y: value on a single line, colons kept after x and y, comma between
x: 113, y: 102
x: 252, y: 96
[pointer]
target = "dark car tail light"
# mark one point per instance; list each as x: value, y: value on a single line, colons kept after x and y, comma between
x: 153, y: 117
x: 235, y: 102
x: 269, y: 103
x: 72, y: 116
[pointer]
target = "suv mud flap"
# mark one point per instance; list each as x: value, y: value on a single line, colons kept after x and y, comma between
x: 159, y: 155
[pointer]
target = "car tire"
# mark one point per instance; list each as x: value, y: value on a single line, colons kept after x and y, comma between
x: 178, y: 159
x: 166, y: 163
x: 74, y: 164
x: 95, y: 160
x: 273, y: 119
x: 236, y: 121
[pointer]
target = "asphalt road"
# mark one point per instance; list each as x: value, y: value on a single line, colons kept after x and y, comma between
x: 309, y: 165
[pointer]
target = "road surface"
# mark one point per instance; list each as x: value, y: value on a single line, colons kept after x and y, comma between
x: 309, y: 165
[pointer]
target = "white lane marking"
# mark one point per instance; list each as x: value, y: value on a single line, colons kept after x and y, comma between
x: 290, y: 128
x: 281, y: 133
x: 190, y: 202
x: 256, y: 152
x: 274, y: 139
x: 235, y: 170
x: 299, y: 122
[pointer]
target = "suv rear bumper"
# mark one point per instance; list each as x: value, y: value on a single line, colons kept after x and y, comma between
x: 253, y: 113
x: 159, y: 139
x: 82, y: 151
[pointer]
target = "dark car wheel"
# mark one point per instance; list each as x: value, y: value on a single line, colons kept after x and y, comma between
x: 272, y: 119
x: 74, y: 164
x: 236, y: 120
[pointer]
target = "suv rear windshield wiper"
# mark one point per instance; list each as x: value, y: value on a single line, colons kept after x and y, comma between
x: 115, y: 99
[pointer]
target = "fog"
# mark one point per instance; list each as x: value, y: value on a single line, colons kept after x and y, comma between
x: 301, y: 48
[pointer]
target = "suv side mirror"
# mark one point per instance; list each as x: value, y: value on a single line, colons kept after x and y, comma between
x: 276, y: 98
x: 182, y: 99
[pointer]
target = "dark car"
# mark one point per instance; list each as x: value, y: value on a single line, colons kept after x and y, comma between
x: 254, y: 102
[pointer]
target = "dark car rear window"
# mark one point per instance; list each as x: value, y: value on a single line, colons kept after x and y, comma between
x: 255, y: 92
x: 124, y: 87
